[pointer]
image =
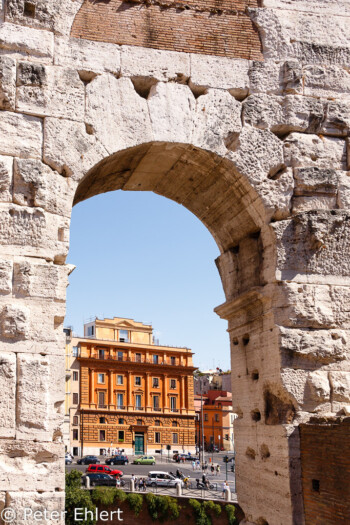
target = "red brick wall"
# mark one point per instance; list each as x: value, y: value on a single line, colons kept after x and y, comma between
x: 325, y: 460
x: 212, y: 27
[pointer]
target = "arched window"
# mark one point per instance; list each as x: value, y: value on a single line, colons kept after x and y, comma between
x: 120, y: 421
x: 139, y: 422
x: 175, y: 424
x: 103, y: 420
x: 157, y: 423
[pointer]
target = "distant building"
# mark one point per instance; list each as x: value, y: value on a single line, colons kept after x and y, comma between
x: 218, y: 418
x: 71, y: 434
x: 134, y: 395
x: 212, y: 380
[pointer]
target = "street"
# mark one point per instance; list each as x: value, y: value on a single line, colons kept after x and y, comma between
x: 172, y: 466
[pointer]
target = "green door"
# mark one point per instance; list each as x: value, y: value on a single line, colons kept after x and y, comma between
x: 139, y: 444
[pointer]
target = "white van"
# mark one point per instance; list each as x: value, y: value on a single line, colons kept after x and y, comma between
x: 162, y: 479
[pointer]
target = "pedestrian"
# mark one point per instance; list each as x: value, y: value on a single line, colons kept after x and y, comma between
x: 109, y: 451
x: 217, y: 469
x: 132, y: 479
x: 198, y: 463
x: 193, y: 465
x: 137, y: 483
x: 224, y: 488
x: 212, y: 468
x: 118, y: 482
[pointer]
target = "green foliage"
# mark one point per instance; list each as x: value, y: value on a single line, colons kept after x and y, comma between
x: 120, y: 495
x: 210, y: 506
x: 162, y: 507
x: 135, y: 502
x: 200, y: 512
x: 77, y: 498
x: 230, y: 510
x: 104, y: 495
x: 73, y: 479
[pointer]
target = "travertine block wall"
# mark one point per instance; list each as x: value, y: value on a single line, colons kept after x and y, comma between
x: 257, y: 150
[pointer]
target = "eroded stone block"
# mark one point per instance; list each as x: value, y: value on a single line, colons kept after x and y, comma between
x: 218, y: 72
x: 326, y: 81
x: 340, y: 382
x: 171, y: 109
x: 301, y: 150
x: 310, y: 181
x: 60, y: 94
x: 25, y: 464
x: 8, y: 394
x: 35, y: 184
x: 6, y: 174
x: 7, y: 83
x: 6, y: 270
x: 20, y: 135
x: 25, y: 40
x: 313, y: 247
x: 33, y: 508
x: 258, y: 154
x: 33, y: 279
x: 117, y: 113
x: 14, y: 322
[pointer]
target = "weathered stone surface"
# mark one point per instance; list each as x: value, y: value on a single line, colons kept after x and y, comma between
x: 217, y: 120
x: 87, y: 57
x: 33, y: 403
x: 314, y: 202
x: 25, y: 40
x: 258, y: 154
x: 311, y: 38
x: 312, y: 306
x: 311, y: 390
x: 117, y: 113
x: 20, y: 135
x: 14, y: 322
x: 340, y: 382
x: 314, y: 244
x: 25, y: 464
x: 7, y: 83
x: 146, y: 66
x: 171, y: 108
x: 313, y: 346
x: 323, y: 7
x: 6, y: 270
x: 326, y: 81
x: 32, y: 508
x: 6, y: 169
x: 218, y: 72
x: 310, y: 181
x: 344, y: 191
x: 39, y: 279
x: 277, y: 193
x: 35, y: 184
x: 69, y: 148
x: 297, y: 113
x: 61, y: 94
x: 8, y: 394
x: 312, y: 150
x: 33, y: 232
x: 266, y: 78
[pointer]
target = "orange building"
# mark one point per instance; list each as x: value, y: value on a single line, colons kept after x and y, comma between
x: 218, y: 418
x: 134, y: 394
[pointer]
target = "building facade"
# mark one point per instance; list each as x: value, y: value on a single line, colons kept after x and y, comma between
x: 71, y: 433
x: 134, y: 395
x: 215, y: 420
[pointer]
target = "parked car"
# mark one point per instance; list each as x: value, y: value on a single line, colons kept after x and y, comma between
x: 184, y: 457
x: 117, y: 460
x: 88, y: 460
x: 162, y: 479
x: 68, y: 460
x: 103, y: 469
x: 145, y: 460
x: 99, y: 479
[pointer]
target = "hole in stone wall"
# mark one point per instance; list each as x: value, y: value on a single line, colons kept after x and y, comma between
x: 143, y: 85
x: 255, y: 414
x: 277, y: 410
x: 255, y: 375
x: 245, y: 340
x: 264, y: 451
x: 250, y: 453
x: 29, y: 9
x: 86, y: 76
x: 316, y: 485
x: 235, y: 341
x: 262, y: 521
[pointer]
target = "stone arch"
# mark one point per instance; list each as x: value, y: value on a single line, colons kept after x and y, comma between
x: 275, y: 133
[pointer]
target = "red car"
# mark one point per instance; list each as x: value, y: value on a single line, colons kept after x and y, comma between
x: 103, y: 469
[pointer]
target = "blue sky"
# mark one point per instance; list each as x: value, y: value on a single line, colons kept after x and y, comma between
x: 145, y: 257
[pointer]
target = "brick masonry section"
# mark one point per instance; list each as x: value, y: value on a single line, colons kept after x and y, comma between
x: 325, y: 456
x: 211, y: 27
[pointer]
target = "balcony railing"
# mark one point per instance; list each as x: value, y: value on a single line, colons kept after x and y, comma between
x: 131, y: 359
